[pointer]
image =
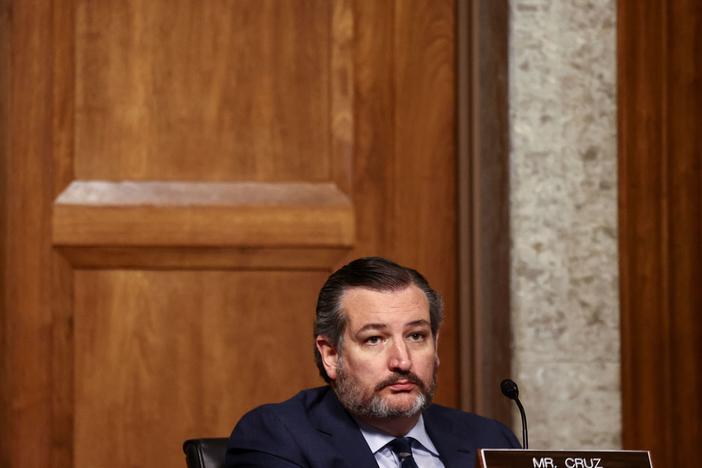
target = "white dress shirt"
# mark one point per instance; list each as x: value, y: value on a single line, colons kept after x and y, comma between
x: 423, y: 450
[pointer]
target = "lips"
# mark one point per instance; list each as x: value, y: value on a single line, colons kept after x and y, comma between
x: 402, y: 386
x: 401, y: 382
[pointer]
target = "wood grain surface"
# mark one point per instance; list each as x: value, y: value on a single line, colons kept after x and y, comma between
x: 27, y: 415
x: 166, y: 354
x: 184, y: 90
x: 178, y: 179
x: 660, y: 114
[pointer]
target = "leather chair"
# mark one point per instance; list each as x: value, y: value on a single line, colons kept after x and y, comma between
x: 205, y: 453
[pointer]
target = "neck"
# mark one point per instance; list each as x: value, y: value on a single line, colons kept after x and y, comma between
x: 398, y: 426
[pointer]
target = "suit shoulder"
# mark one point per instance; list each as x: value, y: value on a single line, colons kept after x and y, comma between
x: 273, y: 430
x: 459, y: 415
x: 302, y: 402
x: 279, y: 418
x: 489, y: 433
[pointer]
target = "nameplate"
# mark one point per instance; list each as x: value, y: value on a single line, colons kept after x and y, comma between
x: 505, y: 458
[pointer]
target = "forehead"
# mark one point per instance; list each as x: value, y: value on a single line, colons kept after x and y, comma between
x: 363, y: 305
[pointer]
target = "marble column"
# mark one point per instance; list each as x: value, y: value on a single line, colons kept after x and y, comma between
x: 564, y: 220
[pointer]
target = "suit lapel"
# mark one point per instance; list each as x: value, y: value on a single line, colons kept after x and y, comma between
x: 455, y: 452
x: 333, y: 420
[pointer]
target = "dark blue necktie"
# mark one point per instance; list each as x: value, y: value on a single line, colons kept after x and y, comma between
x: 403, y: 449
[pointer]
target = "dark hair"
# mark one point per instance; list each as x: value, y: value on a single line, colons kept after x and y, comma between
x: 378, y: 274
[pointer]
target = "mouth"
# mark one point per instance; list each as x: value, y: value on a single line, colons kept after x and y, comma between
x: 402, y: 385
x: 398, y: 383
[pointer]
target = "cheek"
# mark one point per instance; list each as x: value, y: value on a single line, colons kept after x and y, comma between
x: 367, y: 369
x: 427, y: 365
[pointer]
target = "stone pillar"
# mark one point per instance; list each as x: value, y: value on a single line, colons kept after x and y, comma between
x: 564, y: 220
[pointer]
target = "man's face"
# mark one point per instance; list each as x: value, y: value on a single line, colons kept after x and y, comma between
x: 388, y: 361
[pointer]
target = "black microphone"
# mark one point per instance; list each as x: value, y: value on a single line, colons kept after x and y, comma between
x: 511, y: 391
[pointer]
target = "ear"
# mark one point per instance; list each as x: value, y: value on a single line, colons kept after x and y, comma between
x: 330, y: 355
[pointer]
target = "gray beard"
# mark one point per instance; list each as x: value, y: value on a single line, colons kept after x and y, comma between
x: 350, y: 394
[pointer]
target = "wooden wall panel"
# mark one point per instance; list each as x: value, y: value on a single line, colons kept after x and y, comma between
x: 214, y: 135
x: 166, y: 160
x: 184, y: 90
x: 219, y: 125
x: 258, y: 96
x: 190, y: 359
x: 660, y: 113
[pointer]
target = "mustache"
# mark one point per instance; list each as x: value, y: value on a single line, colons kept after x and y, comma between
x: 397, y: 376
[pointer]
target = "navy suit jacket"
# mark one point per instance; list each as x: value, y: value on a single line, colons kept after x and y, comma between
x: 313, y: 430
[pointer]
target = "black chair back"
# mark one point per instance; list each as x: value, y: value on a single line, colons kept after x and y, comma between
x: 205, y: 453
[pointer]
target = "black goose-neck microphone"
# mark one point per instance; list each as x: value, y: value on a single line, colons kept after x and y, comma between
x: 511, y: 391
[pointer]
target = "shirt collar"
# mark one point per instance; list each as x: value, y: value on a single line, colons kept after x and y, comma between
x: 377, y: 439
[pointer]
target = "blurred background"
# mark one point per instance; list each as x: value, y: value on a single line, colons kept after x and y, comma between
x: 179, y: 178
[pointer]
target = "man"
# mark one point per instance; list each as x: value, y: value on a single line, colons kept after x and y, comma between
x: 376, y: 336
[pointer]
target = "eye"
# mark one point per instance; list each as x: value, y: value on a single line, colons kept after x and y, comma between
x: 417, y: 336
x: 373, y: 340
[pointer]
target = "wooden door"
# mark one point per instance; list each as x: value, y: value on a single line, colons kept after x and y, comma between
x: 179, y: 178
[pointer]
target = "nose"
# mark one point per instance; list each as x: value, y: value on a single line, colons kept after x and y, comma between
x: 399, y: 360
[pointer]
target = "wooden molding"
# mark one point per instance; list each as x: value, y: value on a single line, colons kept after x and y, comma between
x: 246, y: 214
x: 342, y: 94
x: 483, y: 137
x: 208, y: 258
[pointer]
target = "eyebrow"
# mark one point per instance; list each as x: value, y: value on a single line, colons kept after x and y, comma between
x: 382, y: 326
x: 372, y: 326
